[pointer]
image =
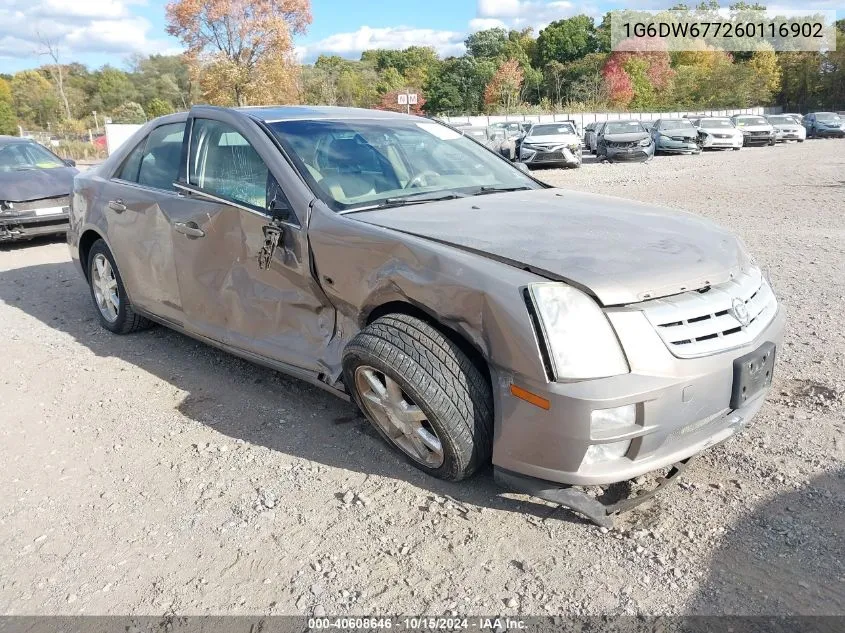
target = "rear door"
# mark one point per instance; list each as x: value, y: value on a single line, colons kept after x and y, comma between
x: 139, y: 200
x: 234, y: 288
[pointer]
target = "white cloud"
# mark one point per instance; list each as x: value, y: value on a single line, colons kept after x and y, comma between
x: 76, y: 26
x: 482, y: 24
x: 351, y: 44
x: 519, y: 14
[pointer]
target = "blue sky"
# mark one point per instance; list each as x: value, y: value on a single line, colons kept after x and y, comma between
x: 98, y: 32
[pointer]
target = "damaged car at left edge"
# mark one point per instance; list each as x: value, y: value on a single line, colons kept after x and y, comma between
x: 35, y: 187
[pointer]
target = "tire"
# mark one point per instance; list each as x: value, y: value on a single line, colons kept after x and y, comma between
x: 124, y: 319
x: 437, y: 381
x: 736, y: 149
x: 800, y: 140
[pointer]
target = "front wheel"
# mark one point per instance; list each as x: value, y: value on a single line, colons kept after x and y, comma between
x: 736, y: 149
x: 423, y: 395
x: 109, y: 293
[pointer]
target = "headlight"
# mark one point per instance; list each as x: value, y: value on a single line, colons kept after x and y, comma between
x: 645, y: 142
x: 580, y: 340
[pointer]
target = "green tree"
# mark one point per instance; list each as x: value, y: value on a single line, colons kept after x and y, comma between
x: 34, y: 99
x: 767, y: 75
x: 158, y: 107
x: 5, y: 92
x: 566, y: 40
x: 8, y: 120
x: 465, y: 77
x: 129, y: 112
x: 487, y: 44
x: 112, y: 89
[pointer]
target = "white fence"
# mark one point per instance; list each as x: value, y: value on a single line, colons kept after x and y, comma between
x: 583, y: 118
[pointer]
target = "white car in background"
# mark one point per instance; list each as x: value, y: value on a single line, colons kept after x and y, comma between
x: 718, y: 133
x: 787, y: 128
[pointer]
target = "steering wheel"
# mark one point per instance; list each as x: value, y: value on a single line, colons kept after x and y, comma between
x: 416, y: 180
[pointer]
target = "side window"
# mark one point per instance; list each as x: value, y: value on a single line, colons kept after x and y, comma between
x: 132, y: 163
x: 160, y: 161
x: 224, y: 164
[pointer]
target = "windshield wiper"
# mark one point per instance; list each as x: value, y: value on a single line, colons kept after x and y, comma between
x: 401, y: 201
x: 485, y: 189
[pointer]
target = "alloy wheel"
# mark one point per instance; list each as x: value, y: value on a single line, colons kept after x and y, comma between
x: 398, y: 416
x: 104, y: 284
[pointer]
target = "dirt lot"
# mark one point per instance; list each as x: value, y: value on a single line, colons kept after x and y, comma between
x: 152, y: 474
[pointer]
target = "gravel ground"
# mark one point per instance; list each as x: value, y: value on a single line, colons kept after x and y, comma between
x: 151, y: 474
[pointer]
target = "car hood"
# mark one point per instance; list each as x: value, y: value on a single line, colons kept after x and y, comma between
x: 618, y: 250
x: 686, y: 133
x: 35, y: 184
x: 628, y: 137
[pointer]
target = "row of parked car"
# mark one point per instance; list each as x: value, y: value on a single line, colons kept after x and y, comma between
x: 561, y: 144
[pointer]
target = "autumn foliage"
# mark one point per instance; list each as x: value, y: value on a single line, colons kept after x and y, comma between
x: 241, y: 51
x: 504, y: 87
x: 390, y: 101
x: 637, y: 78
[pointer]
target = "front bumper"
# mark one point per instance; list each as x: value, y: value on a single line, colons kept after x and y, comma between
x: 831, y: 131
x: 566, y: 156
x: 26, y: 226
x: 678, y: 147
x: 763, y: 139
x: 629, y: 154
x: 713, y: 142
x: 682, y: 405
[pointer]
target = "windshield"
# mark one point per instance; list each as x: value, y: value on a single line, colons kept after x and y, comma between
x: 23, y: 156
x: 717, y: 123
x: 751, y: 120
x: 781, y: 120
x: 827, y: 116
x: 552, y: 129
x: 355, y: 163
x: 623, y: 127
x: 676, y: 124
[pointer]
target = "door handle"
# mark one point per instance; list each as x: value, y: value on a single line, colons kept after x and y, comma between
x: 189, y: 228
x: 117, y: 205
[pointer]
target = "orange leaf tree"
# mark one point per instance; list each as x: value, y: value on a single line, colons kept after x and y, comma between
x: 240, y: 51
x: 504, y: 87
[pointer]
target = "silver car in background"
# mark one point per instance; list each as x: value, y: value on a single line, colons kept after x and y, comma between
x: 551, y: 144
x: 718, y: 133
x: 625, y: 141
x: 786, y: 128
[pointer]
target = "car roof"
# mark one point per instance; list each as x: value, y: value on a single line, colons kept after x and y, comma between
x: 8, y: 140
x: 270, y: 114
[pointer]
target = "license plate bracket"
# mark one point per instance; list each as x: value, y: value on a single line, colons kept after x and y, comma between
x: 752, y: 373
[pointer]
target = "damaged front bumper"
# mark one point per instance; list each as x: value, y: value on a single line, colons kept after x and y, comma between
x: 23, y: 221
x: 676, y: 409
x: 566, y: 156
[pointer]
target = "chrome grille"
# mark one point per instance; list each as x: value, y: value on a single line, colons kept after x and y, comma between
x: 700, y: 323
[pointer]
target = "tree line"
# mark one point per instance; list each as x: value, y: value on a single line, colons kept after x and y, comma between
x: 240, y: 52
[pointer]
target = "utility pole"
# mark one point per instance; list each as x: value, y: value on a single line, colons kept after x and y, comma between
x: 96, y: 123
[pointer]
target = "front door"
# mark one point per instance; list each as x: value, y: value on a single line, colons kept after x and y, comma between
x: 270, y: 307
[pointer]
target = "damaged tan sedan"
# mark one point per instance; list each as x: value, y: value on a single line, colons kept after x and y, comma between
x: 470, y: 311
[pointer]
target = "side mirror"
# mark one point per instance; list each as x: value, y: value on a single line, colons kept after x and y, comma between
x: 279, y: 209
x: 69, y: 162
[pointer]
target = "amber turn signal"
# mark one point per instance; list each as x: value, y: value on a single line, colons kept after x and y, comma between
x: 533, y: 398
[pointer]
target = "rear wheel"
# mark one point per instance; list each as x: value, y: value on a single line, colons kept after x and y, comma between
x: 422, y: 394
x: 109, y: 294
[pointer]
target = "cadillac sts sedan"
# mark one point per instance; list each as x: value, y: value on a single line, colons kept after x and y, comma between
x: 470, y: 311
